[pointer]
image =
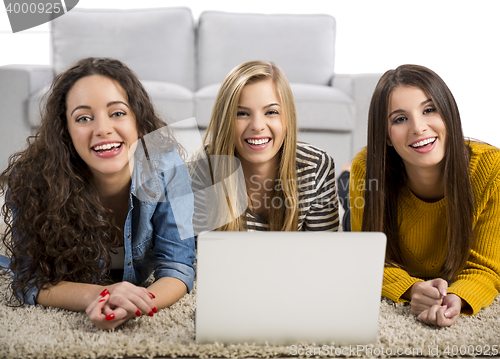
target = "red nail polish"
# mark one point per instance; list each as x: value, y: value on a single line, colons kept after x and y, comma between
x: 150, y: 313
x: 155, y: 310
x: 102, y: 300
x: 152, y: 295
x: 110, y: 316
x: 104, y: 292
x: 138, y: 313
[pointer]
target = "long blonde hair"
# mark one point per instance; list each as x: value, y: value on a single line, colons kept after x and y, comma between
x: 220, y: 139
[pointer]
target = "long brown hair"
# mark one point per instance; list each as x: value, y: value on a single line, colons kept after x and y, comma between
x: 57, y: 227
x: 220, y: 137
x: 386, y: 167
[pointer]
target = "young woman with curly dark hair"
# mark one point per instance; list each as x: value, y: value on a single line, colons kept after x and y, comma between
x: 90, y: 203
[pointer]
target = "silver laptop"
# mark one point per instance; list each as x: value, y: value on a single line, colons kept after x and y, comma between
x: 283, y: 288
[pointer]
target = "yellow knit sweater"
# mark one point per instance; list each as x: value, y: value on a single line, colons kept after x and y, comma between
x: 423, y: 227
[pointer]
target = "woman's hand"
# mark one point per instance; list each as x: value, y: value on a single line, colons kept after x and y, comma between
x: 96, y: 314
x: 443, y: 315
x: 121, y: 302
x: 127, y: 301
x: 424, y: 295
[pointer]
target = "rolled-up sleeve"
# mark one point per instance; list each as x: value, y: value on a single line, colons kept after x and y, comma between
x: 173, y: 228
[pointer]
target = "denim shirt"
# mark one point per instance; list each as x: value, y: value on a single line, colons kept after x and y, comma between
x: 158, y: 232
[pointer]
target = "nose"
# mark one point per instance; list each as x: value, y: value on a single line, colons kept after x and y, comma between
x: 102, y: 125
x: 419, y: 125
x: 258, y: 123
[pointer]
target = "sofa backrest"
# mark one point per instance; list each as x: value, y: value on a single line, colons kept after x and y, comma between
x: 302, y: 45
x: 158, y: 44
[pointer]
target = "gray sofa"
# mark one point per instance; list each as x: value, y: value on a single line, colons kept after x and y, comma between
x: 182, y: 63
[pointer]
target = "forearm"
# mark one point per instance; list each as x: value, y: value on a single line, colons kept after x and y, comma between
x: 69, y: 295
x: 167, y: 291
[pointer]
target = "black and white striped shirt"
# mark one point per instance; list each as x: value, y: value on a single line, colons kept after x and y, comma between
x: 318, y: 203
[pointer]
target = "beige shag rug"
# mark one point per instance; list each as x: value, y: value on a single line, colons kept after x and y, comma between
x: 39, y: 332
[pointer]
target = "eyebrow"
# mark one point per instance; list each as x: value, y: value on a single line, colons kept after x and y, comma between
x: 402, y: 111
x: 108, y: 105
x: 267, y: 106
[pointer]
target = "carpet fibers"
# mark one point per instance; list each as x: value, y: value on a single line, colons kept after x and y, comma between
x: 39, y: 332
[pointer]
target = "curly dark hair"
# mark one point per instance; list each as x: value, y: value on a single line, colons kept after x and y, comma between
x: 57, y: 227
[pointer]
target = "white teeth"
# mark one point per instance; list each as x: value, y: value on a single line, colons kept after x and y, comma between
x: 107, y: 146
x: 258, y: 142
x: 424, y: 142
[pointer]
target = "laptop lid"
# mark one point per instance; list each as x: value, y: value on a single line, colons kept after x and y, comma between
x: 288, y: 287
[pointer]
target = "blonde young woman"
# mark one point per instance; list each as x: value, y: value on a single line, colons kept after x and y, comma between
x: 287, y: 185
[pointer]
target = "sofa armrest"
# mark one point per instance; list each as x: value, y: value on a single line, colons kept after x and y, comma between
x: 17, y: 83
x: 360, y: 88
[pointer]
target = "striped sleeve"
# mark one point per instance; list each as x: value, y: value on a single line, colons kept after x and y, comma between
x: 318, y: 202
x: 200, y: 180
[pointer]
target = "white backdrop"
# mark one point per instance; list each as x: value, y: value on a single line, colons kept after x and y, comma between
x: 457, y: 39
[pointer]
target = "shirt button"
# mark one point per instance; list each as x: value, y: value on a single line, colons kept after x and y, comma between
x: 129, y: 263
x: 128, y: 235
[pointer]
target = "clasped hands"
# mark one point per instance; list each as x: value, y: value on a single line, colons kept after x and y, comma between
x: 118, y: 303
x: 433, y: 305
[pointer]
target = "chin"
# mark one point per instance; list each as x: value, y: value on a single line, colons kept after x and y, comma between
x: 110, y: 170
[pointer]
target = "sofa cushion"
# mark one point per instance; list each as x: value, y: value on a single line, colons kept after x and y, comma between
x: 158, y: 44
x: 172, y: 102
x: 323, y: 108
x: 35, y: 106
x: 204, y: 100
x: 337, y: 145
x: 318, y: 107
x: 302, y: 45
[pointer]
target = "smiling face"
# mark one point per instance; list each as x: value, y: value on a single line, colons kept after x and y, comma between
x: 260, y: 128
x: 416, y: 129
x: 102, y: 125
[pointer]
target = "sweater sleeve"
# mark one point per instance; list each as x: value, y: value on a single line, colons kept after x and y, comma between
x: 479, y: 283
x: 174, y: 248
x: 396, y: 282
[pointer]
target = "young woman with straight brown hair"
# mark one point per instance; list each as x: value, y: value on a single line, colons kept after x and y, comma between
x: 435, y: 196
